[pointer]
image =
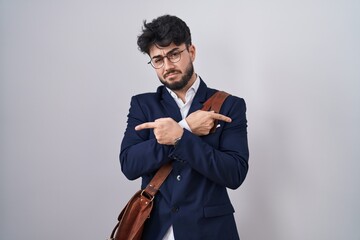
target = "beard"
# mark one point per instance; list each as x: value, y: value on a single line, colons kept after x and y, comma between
x: 175, y: 86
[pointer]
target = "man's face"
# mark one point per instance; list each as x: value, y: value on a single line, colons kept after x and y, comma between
x: 178, y: 75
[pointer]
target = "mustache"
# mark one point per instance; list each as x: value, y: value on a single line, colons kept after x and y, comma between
x: 170, y: 72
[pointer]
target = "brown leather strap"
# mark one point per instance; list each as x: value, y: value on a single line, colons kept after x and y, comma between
x: 212, y: 104
x: 215, y: 102
x: 155, y: 183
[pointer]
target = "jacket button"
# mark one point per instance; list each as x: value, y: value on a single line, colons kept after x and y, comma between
x: 178, y: 177
x: 175, y: 209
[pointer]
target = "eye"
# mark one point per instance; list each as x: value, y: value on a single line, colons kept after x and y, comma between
x: 174, y: 55
x: 157, y: 60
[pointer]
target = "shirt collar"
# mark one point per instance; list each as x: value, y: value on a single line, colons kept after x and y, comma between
x: 193, y: 88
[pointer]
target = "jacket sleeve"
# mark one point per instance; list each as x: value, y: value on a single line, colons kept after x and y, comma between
x: 224, y: 160
x: 140, y: 153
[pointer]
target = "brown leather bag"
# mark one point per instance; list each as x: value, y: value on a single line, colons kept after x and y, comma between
x: 132, y: 218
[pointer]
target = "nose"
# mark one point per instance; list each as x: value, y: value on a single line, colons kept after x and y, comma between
x: 168, y: 64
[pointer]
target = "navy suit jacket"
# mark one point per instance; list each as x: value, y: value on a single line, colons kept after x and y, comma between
x: 193, y: 199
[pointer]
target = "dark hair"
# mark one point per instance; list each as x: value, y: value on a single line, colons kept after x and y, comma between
x: 163, y: 31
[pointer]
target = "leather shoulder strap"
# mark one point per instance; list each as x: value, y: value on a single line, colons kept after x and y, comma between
x: 155, y: 183
x: 215, y: 102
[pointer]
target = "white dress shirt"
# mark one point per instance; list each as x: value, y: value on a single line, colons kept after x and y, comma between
x: 184, y: 109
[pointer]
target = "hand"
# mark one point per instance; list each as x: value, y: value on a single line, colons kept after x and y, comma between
x: 166, y: 130
x: 201, y: 122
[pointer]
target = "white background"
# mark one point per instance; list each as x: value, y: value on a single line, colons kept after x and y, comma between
x: 69, y: 68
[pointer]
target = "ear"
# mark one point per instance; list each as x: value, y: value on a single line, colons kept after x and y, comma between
x: 192, y: 51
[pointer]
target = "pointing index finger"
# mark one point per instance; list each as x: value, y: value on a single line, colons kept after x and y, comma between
x: 221, y: 117
x: 146, y: 125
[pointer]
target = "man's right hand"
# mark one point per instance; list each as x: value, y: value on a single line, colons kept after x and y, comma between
x: 201, y: 122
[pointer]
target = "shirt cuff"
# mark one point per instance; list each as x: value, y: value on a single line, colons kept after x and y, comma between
x: 185, y: 125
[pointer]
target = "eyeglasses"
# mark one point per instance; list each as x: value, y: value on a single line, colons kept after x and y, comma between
x: 173, y: 56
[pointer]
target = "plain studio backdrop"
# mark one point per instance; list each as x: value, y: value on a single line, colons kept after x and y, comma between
x: 69, y: 68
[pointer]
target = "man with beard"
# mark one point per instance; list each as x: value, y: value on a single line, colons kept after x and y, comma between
x: 168, y: 126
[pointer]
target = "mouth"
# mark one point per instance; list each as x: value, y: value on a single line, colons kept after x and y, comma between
x: 171, y: 74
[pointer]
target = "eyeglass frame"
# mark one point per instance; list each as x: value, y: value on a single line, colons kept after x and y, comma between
x: 167, y: 56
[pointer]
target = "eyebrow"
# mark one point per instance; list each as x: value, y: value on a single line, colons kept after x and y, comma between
x: 171, y: 51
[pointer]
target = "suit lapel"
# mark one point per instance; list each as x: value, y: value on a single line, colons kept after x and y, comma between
x: 171, y: 109
x: 200, y: 97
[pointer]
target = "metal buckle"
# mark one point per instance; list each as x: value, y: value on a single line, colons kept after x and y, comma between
x: 147, y: 196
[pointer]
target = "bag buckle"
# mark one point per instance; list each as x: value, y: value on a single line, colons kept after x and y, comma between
x: 147, y: 195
